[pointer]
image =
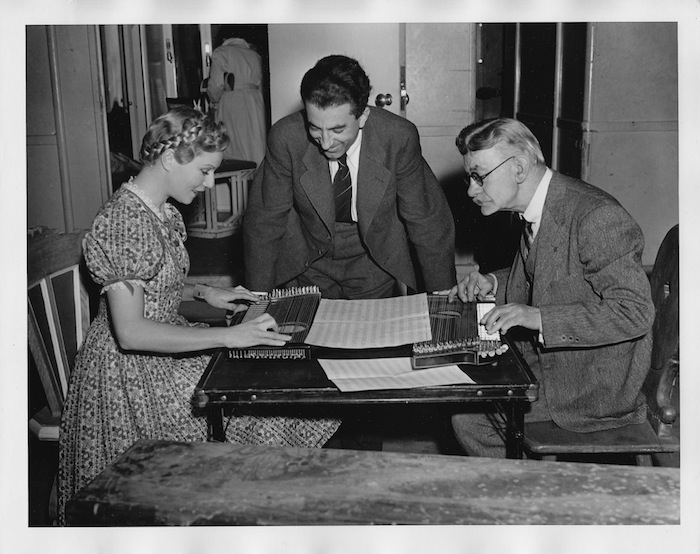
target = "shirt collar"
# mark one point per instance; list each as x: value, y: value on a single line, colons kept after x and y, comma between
x: 533, y: 212
x: 354, y: 150
x: 353, y: 153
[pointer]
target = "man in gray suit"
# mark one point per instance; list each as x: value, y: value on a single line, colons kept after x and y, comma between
x: 295, y: 231
x: 576, y: 292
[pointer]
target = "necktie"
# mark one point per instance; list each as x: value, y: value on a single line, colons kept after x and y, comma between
x: 525, y: 245
x: 528, y: 238
x: 342, y: 189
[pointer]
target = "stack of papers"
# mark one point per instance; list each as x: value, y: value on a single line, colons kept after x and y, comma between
x: 389, y: 373
x: 377, y: 323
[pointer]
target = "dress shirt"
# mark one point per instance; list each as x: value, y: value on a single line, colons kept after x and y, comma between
x: 533, y: 215
x: 533, y: 212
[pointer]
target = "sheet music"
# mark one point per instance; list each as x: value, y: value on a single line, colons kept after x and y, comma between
x: 388, y: 373
x: 376, y: 323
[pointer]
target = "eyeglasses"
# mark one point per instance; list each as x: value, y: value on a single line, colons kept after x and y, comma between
x: 479, y: 179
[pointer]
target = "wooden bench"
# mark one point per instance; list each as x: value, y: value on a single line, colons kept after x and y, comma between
x: 171, y: 483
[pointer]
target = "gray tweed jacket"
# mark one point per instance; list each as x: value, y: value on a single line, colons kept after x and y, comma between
x: 596, y: 307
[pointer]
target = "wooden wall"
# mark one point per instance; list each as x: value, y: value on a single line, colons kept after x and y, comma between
x: 67, y: 157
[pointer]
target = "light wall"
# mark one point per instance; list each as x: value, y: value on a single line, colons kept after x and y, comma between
x: 295, y: 48
x: 632, y: 128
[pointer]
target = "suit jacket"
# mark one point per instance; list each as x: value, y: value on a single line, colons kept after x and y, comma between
x: 596, y: 306
x: 290, y: 217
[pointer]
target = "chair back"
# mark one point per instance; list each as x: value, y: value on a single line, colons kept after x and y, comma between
x: 58, y: 306
x: 663, y: 373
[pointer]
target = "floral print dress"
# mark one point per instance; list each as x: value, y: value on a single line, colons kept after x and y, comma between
x: 116, y: 397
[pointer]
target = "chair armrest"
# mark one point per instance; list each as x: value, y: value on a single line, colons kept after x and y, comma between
x: 664, y: 414
x: 669, y: 376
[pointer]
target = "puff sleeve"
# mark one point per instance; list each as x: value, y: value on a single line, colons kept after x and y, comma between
x: 123, y: 248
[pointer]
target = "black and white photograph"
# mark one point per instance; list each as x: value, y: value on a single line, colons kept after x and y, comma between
x: 368, y: 277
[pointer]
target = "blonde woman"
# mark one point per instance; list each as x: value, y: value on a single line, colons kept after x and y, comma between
x: 137, y: 368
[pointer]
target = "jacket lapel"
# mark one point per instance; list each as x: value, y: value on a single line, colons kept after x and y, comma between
x: 551, y: 241
x: 516, y: 290
x: 316, y: 182
x: 372, y: 180
x: 372, y: 177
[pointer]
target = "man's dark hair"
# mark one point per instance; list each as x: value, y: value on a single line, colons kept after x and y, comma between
x: 334, y: 81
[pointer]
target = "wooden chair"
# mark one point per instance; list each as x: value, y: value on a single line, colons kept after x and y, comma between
x: 211, y: 220
x: 58, y: 305
x: 547, y: 441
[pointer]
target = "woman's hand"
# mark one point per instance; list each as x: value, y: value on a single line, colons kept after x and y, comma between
x: 260, y: 331
x: 232, y: 299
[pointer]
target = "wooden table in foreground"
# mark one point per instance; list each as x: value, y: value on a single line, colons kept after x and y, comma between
x: 507, y: 381
x: 171, y: 483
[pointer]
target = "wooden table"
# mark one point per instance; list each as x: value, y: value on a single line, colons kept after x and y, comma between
x: 170, y: 483
x: 507, y: 381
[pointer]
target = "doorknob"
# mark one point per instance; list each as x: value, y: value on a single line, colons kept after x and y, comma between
x: 383, y: 100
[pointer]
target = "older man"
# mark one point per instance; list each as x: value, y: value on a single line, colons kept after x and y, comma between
x: 576, y: 293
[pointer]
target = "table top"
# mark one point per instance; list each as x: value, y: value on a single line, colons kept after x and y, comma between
x: 227, y: 381
x: 171, y: 483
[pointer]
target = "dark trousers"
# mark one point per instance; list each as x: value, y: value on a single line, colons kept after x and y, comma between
x: 483, y: 433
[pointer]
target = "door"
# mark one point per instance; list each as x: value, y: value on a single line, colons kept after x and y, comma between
x: 295, y: 48
x: 160, y: 68
x: 187, y: 50
x: 536, y: 93
x: 440, y: 67
x: 433, y: 64
x: 552, y: 70
x: 430, y: 63
x: 135, y: 91
x: 139, y: 91
x: 124, y: 92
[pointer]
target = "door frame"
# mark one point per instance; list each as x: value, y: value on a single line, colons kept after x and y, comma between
x: 136, y: 91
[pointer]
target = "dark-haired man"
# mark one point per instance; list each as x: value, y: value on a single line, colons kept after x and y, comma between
x: 389, y: 203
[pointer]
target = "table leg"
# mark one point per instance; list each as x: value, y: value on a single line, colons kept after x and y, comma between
x: 215, y: 423
x: 515, y: 426
x: 210, y: 207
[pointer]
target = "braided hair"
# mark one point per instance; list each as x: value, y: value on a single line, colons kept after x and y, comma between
x: 186, y: 132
